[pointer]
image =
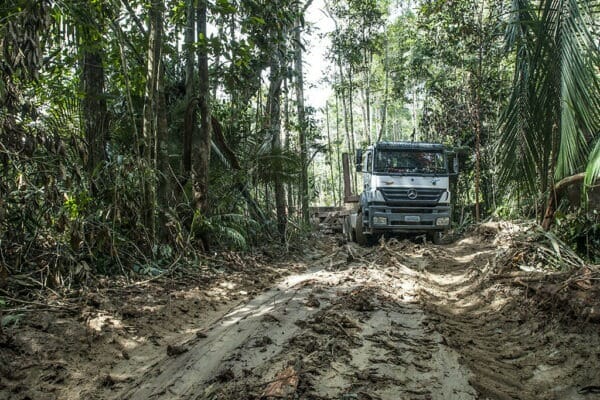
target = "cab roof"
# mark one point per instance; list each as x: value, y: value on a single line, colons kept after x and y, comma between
x: 409, y: 146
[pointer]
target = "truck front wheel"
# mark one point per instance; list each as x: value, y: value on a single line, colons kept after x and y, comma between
x: 436, y: 237
x: 362, y: 238
x: 358, y: 231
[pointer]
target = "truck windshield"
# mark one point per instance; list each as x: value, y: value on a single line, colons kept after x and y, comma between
x: 409, y: 162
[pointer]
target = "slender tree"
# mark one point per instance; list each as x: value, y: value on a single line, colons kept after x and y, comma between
x: 302, y: 123
x: 190, y: 128
x: 202, y: 143
x: 154, y: 123
x: 95, y: 111
x: 274, y: 124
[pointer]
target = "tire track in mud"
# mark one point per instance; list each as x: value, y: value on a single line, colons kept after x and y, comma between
x: 355, y: 331
x: 513, y: 349
x: 217, y: 356
x: 398, y: 321
x: 389, y: 350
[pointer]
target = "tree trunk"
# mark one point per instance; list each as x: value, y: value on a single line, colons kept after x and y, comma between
x: 163, y: 187
x: 478, y: 122
x: 150, y: 123
x: 347, y: 130
x: 351, y: 111
x: 190, y: 127
x: 201, y: 143
x: 330, y: 152
x: 274, y: 124
x: 367, y: 94
x: 302, y: 125
x: 556, y: 194
x: 551, y: 201
x: 125, y: 72
x: 94, y: 109
x: 287, y: 145
x: 338, y: 142
x: 385, y: 93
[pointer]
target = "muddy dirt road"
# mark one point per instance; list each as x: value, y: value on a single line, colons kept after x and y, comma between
x: 340, y: 332
x: 400, y: 320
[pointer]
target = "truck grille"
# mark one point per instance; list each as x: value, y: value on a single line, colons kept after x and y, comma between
x: 405, y: 196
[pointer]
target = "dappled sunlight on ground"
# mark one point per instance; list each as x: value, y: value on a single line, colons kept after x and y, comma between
x: 397, y: 320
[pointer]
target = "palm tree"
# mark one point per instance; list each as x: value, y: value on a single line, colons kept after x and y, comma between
x: 552, y: 119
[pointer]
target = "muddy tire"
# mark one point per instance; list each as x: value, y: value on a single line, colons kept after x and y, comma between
x: 358, y: 231
x: 437, y: 237
x: 362, y: 238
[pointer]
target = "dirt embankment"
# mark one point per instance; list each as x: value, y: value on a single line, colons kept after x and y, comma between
x: 400, y: 320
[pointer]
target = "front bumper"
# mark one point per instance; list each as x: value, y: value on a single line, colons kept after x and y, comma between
x: 407, y: 219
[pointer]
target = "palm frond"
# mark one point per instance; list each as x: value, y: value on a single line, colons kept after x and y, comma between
x: 215, y: 150
x: 520, y: 23
x: 592, y: 172
x: 64, y: 117
x: 579, y: 87
x: 553, y: 113
x: 517, y: 148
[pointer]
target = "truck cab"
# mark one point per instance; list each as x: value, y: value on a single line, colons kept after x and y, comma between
x: 406, y: 189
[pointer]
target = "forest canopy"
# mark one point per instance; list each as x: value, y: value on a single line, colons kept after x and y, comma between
x: 136, y: 132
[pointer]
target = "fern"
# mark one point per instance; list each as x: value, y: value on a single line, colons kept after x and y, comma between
x: 231, y: 235
x: 226, y: 229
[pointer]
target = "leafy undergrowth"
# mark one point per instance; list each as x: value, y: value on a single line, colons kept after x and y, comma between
x: 581, y: 231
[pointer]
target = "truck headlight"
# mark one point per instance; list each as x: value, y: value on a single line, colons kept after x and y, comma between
x: 379, y: 221
x: 442, y: 221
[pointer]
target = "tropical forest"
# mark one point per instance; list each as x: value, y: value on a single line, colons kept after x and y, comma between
x: 299, y: 199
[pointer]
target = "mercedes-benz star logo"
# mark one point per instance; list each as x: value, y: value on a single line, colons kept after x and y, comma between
x: 412, y: 194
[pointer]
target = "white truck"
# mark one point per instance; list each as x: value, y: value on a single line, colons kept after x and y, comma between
x: 406, y: 190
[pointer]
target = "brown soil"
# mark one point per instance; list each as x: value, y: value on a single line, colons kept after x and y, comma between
x: 399, y: 320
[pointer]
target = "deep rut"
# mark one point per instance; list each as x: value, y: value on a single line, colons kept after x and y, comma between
x: 397, y: 321
x: 354, y: 330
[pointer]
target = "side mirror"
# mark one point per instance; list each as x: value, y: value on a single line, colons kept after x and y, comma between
x: 455, y: 164
x: 358, y: 161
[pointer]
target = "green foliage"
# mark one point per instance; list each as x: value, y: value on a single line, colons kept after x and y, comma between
x: 554, y: 108
x: 225, y: 7
x: 72, y: 223
x: 12, y: 320
x: 22, y: 26
x: 438, y: 72
x: 149, y: 269
x: 581, y: 231
x: 228, y: 230
x: 592, y: 172
x: 76, y: 204
x: 282, y: 164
